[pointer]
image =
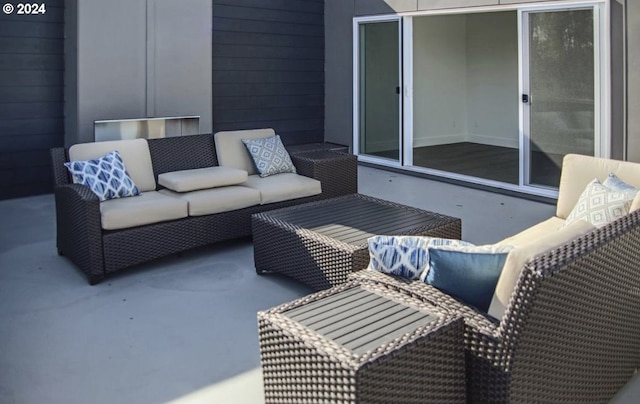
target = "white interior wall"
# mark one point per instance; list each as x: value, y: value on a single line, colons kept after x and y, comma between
x: 466, y: 79
x: 439, y: 80
x: 492, y: 79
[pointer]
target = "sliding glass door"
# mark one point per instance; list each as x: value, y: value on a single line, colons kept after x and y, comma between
x: 495, y: 97
x: 379, y: 86
x: 559, y: 92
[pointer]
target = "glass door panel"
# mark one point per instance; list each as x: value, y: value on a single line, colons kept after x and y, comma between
x: 379, y: 89
x: 559, y: 91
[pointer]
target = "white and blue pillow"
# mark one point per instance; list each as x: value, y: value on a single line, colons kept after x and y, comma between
x: 405, y: 256
x: 600, y: 204
x: 269, y: 156
x: 469, y: 273
x: 106, y: 176
x: 617, y: 185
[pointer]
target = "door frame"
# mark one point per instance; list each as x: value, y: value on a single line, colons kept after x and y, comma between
x: 602, y: 135
x: 356, y: 89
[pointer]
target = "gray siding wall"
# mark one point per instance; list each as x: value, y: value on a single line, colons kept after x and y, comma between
x: 268, y: 67
x: 31, y: 91
x: 633, y: 80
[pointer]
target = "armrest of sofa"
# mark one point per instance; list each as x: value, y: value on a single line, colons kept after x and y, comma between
x: 79, y: 229
x: 60, y: 172
x: 338, y: 172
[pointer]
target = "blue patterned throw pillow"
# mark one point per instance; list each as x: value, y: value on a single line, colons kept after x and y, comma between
x: 105, y: 176
x: 269, y: 156
x: 406, y: 256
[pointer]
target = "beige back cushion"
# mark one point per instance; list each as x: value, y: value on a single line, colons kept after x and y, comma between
x: 578, y: 171
x: 520, y: 255
x: 202, y: 178
x: 135, y: 155
x: 233, y: 153
x: 635, y: 204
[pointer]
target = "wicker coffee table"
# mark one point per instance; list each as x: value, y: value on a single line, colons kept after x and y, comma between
x: 361, y: 343
x: 321, y: 243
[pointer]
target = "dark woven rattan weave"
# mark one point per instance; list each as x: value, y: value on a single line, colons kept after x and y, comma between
x: 97, y: 252
x: 425, y: 364
x: 571, y: 332
x: 323, y: 166
x: 187, y: 153
x: 321, y: 243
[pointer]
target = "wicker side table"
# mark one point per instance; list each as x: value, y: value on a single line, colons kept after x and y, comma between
x: 338, y: 172
x: 361, y: 343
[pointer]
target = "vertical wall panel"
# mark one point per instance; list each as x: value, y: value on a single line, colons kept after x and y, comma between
x: 31, y: 98
x: 268, y: 67
x: 179, y: 66
x: 633, y: 81
x: 106, y: 62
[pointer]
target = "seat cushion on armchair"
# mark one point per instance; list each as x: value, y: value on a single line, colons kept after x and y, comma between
x: 579, y: 170
x: 526, y: 251
x: 202, y: 178
x: 233, y: 153
x: 135, y: 155
x: 146, y: 208
x: 217, y: 200
x: 283, y: 187
x: 534, y: 232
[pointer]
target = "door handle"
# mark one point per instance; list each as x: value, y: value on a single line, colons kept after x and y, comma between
x: 525, y: 98
x: 398, y: 90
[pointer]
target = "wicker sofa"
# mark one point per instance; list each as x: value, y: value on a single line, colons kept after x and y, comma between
x: 100, y: 239
x: 570, y: 328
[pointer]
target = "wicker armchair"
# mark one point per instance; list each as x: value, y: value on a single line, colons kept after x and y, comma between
x: 571, y: 330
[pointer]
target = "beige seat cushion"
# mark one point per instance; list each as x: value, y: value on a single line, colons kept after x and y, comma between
x: 283, y: 187
x: 217, y: 200
x: 135, y: 155
x: 534, y: 232
x: 525, y: 252
x: 146, y: 208
x: 202, y: 178
x: 233, y: 153
x: 578, y: 171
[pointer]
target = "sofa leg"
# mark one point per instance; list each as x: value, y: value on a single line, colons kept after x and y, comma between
x: 95, y: 279
x: 260, y: 271
x: 60, y: 253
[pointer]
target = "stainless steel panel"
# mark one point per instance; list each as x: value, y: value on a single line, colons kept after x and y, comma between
x: 146, y: 128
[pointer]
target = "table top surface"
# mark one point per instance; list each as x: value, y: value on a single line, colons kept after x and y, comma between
x: 359, y: 320
x: 355, y: 218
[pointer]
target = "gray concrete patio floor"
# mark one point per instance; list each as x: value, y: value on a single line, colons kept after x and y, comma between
x: 183, y: 328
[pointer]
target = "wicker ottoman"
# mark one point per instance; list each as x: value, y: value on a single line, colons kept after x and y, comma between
x: 321, y: 243
x: 361, y: 343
